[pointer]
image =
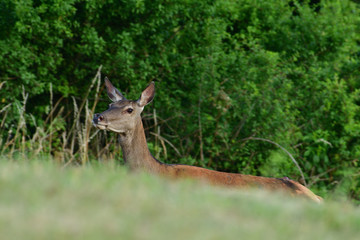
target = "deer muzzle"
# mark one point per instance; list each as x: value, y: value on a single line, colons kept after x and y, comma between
x: 98, y: 121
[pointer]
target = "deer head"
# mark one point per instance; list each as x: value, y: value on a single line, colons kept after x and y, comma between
x: 123, y: 115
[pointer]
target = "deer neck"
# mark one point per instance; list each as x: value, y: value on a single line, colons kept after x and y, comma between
x: 136, y: 152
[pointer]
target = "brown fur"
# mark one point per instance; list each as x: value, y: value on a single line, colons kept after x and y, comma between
x: 137, y: 155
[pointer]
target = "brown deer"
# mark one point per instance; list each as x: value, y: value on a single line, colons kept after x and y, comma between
x: 124, y: 118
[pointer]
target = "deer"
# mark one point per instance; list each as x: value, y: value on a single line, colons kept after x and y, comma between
x: 124, y: 118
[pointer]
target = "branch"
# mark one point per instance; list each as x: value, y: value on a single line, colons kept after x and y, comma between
x: 282, y: 148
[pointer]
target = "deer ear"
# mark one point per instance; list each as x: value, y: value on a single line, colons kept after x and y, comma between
x: 147, y: 95
x: 114, y: 94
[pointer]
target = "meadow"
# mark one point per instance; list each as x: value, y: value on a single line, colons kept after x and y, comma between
x: 43, y: 200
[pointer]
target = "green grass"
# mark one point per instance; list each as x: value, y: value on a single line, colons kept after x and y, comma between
x: 39, y: 200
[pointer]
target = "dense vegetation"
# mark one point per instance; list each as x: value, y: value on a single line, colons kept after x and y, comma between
x: 229, y: 75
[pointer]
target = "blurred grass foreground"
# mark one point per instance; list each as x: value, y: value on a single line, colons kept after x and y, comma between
x: 41, y: 200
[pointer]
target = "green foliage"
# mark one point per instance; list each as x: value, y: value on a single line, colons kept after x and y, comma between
x: 278, y: 165
x: 225, y: 71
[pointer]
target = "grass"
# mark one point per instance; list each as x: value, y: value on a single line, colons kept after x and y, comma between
x: 40, y: 200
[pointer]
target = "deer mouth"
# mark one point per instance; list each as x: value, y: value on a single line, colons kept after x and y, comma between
x: 101, y: 123
x: 99, y: 126
x: 106, y: 127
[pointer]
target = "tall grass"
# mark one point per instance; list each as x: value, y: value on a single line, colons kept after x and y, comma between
x: 66, y: 134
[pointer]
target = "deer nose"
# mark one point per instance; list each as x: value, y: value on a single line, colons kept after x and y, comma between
x: 98, y: 118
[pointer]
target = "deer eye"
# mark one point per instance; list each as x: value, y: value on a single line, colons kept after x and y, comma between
x: 130, y: 110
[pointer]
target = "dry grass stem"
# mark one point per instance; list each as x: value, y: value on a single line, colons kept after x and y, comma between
x: 286, y: 151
